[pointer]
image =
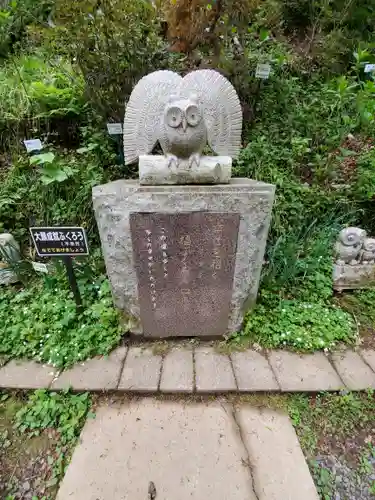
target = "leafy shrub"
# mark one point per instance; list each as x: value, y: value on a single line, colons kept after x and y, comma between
x: 42, y: 323
x: 34, y: 95
x: 15, y: 18
x: 55, y: 188
x: 113, y: 44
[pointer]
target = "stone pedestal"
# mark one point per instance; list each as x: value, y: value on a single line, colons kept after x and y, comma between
x: 351, y: 277
x: 184, y: 260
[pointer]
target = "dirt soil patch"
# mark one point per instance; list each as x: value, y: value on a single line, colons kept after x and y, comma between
x: 26, y: 463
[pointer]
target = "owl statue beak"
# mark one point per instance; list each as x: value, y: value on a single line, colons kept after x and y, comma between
x: 184, y: 124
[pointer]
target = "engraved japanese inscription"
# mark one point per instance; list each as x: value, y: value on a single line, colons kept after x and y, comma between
x: 185, y: 265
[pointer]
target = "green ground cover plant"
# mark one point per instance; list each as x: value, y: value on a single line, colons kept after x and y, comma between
x: 41, y: 322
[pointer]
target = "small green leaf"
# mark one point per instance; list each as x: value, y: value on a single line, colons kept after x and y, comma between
x: 42, y: 158
x: 263, y: 35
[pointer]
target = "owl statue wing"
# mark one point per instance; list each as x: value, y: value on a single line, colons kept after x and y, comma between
x: 221, y: 109
x: 143, y: 112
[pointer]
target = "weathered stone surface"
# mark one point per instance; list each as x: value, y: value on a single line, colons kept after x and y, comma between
x: 353, y: 370
x: 26, y: 375
x: 185, y: 264
x: 154, y: 170
x: 115, y: 201
x: 279, y: 468
x: 177, y: 374
x: 349, y: 277
x: 307, y: 372
x: 97, y: 374
x: 188, y: 452
x: 369, y: 356
x: 253, y: 372
x: 213, y: 371
x: 141, y: 371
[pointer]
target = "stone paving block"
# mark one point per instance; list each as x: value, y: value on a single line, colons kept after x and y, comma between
x: 188, y: 451
x: 369, y: 356
x: 177, y: 373
x: 279, y: 468
x: 141, y: 370
x: 97, y: 374
x: 253, y: 372
x: 213, y: 371
x: 353, y: 370
x: 26, y: 375
x: 307, y: 372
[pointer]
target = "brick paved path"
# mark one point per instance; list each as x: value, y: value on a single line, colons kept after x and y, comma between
x: 201, y: 369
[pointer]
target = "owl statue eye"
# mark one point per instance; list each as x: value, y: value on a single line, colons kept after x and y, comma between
x: 193, y: 116
x: 174, y: 117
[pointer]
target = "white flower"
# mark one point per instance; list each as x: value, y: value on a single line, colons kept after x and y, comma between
x: 299, y: 339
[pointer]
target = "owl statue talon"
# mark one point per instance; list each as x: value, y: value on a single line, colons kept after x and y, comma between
x: 194, y: 158
x: 172, y: 161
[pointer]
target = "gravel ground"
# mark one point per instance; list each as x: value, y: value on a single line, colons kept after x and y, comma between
x: 347, y: 482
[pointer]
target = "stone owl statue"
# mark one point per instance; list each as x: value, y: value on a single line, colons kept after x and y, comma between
x: 349, y: 245
x: 368, y: 251
x: 183, y: 114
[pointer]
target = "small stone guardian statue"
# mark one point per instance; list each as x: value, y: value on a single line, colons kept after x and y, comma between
x: 183, y: 114
x: 355, y: 260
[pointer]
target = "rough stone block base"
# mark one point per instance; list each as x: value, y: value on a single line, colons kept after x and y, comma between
x: 350, y: 277
x: 117, y: 203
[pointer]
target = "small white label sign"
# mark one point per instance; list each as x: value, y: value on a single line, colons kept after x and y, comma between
x: 114, y: 128
x: 263, y: 71
x: 40, y: 267
x: 369, y: 68
x: 33, y: 145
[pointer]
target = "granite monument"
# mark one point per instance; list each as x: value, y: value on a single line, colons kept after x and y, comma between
x: 184, y: 244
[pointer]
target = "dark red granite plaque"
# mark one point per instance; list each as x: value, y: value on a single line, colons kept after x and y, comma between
x: 185, y: 266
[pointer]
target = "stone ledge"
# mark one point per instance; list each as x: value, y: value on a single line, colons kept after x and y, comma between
x: 184, y: 370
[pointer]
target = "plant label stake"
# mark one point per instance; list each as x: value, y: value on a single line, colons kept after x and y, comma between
x: 370, y: 68
x: 115, y: 129
x: 263, y: 71
x: 32, y: 145
x: 65, y: 242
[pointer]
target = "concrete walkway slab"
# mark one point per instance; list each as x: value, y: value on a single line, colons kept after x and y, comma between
x: 141, y: 371
x: 97, y: 374
x: 304, y: 372
x: 279, y: 468
x: 253, y: 373
x: 26, y: 375
x: 178, y: 373
x: 355, y: 373
x: 188, y: 452
x: 369, y: 356
x: 213, y: 371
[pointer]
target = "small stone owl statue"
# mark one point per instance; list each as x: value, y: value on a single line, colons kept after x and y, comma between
x: 349, y: 245
x: 183, y: 114
x: 368, y: 252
